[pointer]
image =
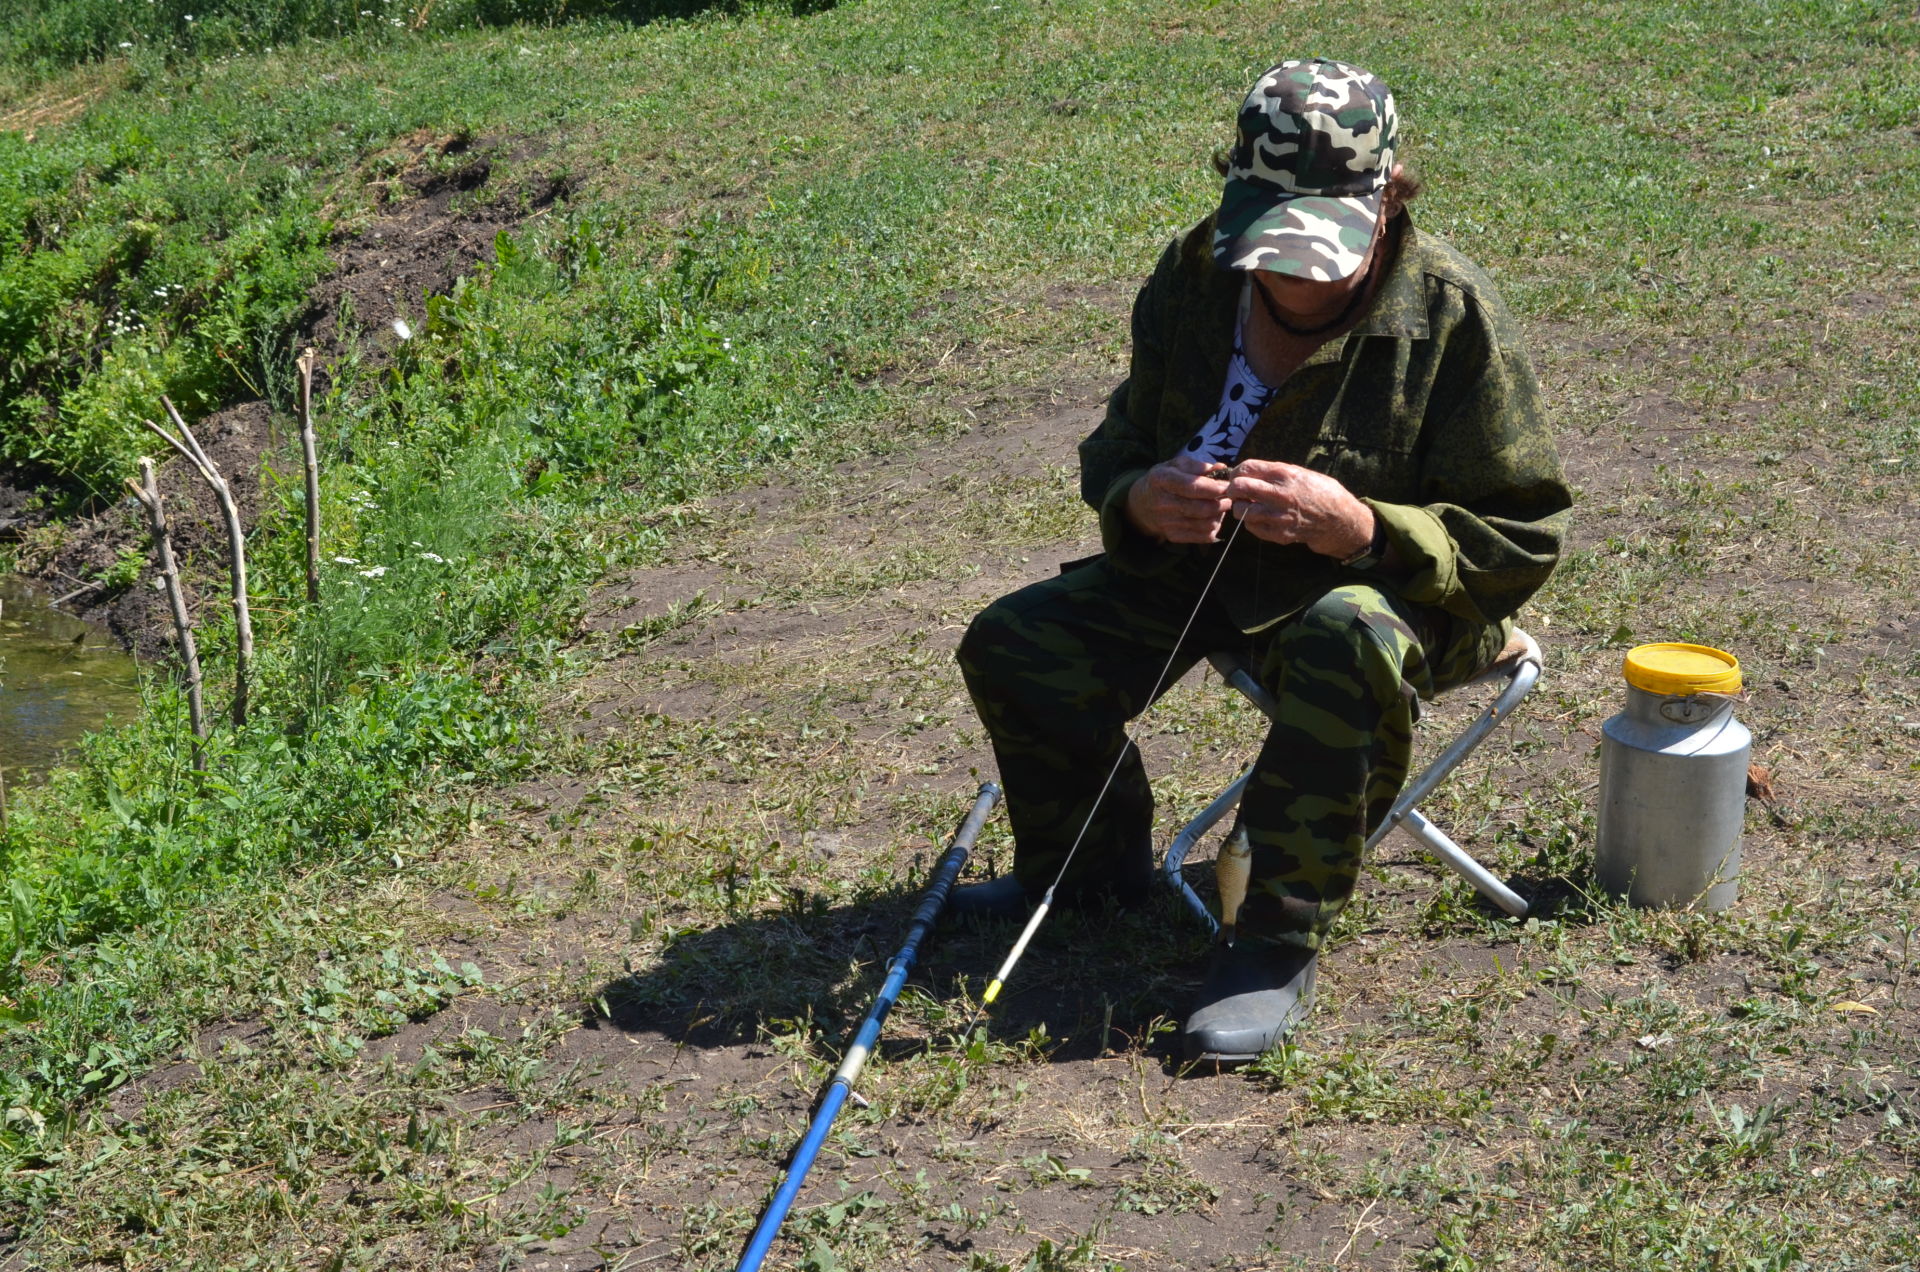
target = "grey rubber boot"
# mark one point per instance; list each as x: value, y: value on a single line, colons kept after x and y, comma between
x: 1252, y: 997
x: 1001, y: 898
x: 1004, y: 898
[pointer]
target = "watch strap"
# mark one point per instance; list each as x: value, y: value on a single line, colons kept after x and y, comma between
x: 1370, y: 555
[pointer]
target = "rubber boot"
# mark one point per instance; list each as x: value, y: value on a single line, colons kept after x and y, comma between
x: 1252, y: 997
x: 1005, y: 898
x: 1001, y: 898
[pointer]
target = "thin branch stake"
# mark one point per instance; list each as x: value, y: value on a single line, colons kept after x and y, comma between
x: 189, y: 449
x: 3, y: 770
x: 74, y: 595
x: 194, y: 453
x: 308, y: 456
x: 147, y: 491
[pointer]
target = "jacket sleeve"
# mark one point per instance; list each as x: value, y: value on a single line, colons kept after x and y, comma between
x: 1126, y: 444
x: 1493, y: 507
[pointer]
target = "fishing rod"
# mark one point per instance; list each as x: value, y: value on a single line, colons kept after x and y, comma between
x: 1041, y: 911
x: 835, y: 1097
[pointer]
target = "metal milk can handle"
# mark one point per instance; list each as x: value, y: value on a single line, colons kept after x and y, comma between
x: 1697, y: 708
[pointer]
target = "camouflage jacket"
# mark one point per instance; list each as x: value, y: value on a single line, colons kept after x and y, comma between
x: 1427, y: 409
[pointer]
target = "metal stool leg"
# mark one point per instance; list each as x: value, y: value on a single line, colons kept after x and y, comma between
x: 1225, y: 802
x: 1519, y: 666
x: 1235, y: 673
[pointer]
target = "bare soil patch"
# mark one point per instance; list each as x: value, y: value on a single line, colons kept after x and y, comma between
x: 780, y: 696
x: 438, y: 215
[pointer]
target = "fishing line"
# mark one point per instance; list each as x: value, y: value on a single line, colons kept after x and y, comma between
x: 1046, y: 902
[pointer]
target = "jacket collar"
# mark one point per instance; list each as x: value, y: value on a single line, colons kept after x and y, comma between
x: 1399, y: 308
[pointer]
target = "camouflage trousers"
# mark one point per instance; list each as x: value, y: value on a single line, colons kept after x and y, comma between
x: 1057, y: 670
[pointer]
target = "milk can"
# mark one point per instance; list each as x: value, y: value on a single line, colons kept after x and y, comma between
x: 1673, y: 781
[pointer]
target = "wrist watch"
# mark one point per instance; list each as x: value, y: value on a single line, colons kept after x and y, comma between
x: 1368, y: 557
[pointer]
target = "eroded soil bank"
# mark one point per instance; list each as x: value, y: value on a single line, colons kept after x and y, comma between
x: 437, y: 215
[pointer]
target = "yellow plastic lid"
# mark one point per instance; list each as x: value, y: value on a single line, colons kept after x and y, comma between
x: 1676, y: 670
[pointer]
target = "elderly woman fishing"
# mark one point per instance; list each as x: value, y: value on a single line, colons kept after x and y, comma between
x: 1327, y: 455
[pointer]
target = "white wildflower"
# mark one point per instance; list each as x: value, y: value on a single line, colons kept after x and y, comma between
x: 346, y: 560
x: 434, y: 557
x: 401, y: 329
x: 373, y: 571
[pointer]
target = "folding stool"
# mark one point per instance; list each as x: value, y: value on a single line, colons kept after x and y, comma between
x: 1516, y: 670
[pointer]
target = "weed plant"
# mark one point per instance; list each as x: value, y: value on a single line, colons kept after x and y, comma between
x: 129, y: 269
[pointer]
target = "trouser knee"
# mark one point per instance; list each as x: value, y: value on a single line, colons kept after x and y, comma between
x: 1004, y: 670
x: 1057, y: 731
x: 982, y: 652
x: 1350, y: 644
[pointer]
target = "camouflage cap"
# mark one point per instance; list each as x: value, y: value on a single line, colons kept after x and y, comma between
x: 1305, y: 179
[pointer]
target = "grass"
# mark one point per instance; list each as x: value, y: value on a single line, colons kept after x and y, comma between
x: 48, y: 37
x: 479, y: 979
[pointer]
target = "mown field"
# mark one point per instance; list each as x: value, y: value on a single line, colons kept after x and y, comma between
x: 572, y: 829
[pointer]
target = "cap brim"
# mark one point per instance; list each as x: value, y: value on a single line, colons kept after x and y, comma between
x: 1321, y: 237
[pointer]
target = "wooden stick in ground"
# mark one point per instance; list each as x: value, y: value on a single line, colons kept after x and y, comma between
x: 147, y: 491
x: 3, y: 770
x: 189, y: 449
x: 74, y: 595
x: 308, y: 456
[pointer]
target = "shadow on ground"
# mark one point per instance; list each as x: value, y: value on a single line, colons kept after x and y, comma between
x: 1092, y: 983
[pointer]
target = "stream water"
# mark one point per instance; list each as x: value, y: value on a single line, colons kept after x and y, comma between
x: 59, y: 678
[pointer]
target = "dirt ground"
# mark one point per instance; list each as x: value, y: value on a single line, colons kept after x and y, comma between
x: 773, y: 712
x: 771, y: 716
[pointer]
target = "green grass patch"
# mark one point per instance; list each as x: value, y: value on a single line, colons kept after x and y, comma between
x: 43, y: 36
x: 466, y: 490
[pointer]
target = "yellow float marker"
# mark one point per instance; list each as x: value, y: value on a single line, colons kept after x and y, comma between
x: 1232, y: 870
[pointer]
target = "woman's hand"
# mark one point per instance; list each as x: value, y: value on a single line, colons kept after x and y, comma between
x: 1285, y: 503
x: 1178, y: 503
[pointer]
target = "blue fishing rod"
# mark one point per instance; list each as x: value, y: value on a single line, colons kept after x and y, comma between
x: 869, y: 1033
